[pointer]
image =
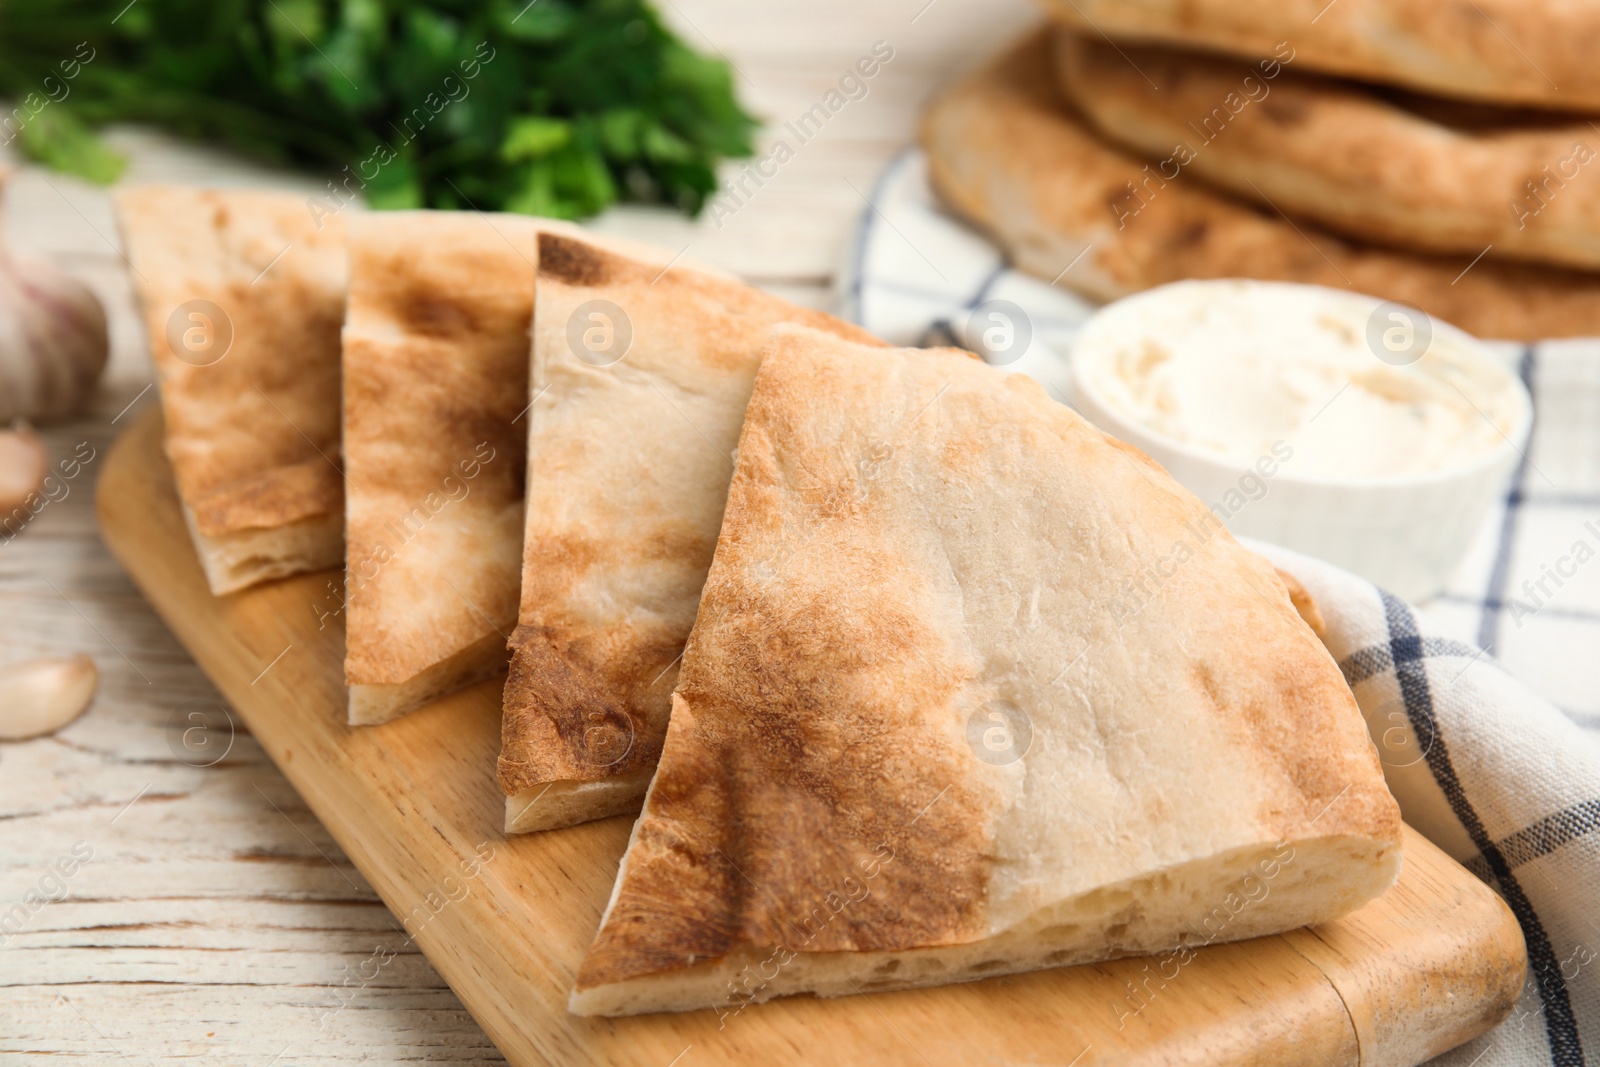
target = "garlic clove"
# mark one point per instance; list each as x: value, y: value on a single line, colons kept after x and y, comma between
x: 41, y: 697
x: 54, y: 341
x: 24, y: 462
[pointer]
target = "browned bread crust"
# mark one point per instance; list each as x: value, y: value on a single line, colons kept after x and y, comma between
x: 1538, y: 52
x: 1358, y: 161
x: 1004, y: 151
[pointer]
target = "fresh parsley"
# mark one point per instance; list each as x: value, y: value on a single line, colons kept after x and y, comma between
x: 555, y: 107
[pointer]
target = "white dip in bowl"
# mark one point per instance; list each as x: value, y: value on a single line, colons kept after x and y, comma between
x: 1333, y: 423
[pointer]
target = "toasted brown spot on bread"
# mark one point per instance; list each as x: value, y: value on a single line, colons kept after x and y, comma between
x: 1284, y: 109
x: 573, y: 262
x: 583, y: 705
x: 1192, y: 235
x: 430, y: 315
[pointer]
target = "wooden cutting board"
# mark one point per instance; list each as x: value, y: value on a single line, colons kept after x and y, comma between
x: 1435, y: 961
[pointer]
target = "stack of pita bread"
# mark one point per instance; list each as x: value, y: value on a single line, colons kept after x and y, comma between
x: 841, y: 619
x: 1375, y: 145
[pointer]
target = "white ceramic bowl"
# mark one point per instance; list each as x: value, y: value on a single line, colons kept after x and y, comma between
x: 1405, y: 533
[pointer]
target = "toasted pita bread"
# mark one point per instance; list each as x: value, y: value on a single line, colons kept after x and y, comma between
x: 1004, y: 151
x: 628, y: 468
x: 923, y: 733
x: 242, y: 295
x: 1348, y: 156
x: 435, y: 382
x: 1538, y: 52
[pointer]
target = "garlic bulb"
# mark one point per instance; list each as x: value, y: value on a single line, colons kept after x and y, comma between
x: 53, y: 341
x: 41, y: 697
x: 23, y: 466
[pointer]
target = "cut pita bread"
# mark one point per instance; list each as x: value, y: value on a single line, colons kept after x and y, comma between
x: 242, y: 295
x: 640, y: 378
x: 974, y: 690
x: 1005, y: 152
x: 435, y: 383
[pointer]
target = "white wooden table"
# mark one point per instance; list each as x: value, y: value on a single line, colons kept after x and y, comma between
x: 216, y: 919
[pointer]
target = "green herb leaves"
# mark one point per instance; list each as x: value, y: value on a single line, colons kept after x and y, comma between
x: 554, y: 107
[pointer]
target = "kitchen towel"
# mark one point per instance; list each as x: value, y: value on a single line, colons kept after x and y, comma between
x: 1498, y: 778
x: 1485, y: 704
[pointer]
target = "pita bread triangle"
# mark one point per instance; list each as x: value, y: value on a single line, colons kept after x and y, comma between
x: 974, y: 690
x: 435, y: 382
x: 640, y: 377
x: 242, y: 296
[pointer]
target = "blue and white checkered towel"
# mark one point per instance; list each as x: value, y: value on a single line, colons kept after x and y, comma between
x: 1502, y: 774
